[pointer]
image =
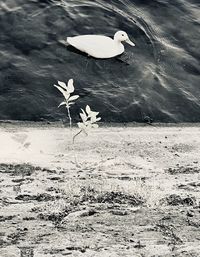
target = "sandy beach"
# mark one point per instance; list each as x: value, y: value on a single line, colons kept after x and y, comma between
x: 121, y: 191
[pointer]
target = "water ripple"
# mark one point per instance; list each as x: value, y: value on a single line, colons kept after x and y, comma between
x: 158, y: 78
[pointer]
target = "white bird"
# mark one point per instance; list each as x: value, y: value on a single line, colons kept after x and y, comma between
x: 100, y: 46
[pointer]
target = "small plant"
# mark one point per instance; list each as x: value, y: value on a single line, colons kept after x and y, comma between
x: 89, y: 119
x: 67, y: 90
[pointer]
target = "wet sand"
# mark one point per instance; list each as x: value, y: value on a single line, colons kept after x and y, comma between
x: 121, y: 191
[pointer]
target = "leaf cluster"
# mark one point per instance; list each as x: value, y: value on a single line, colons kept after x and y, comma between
x: 67, y: 90
x: 89, y: 119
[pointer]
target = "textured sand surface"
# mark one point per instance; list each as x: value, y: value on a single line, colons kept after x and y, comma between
x: 130, y: 191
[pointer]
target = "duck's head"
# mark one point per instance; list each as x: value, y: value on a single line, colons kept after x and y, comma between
x: 122, y: 36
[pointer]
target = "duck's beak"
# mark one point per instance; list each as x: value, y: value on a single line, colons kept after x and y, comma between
x: 129, y: 42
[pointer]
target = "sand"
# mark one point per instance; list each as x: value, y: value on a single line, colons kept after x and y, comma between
x: 121, y: 191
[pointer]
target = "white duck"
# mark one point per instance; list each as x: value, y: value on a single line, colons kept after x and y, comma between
x: 100, y: 46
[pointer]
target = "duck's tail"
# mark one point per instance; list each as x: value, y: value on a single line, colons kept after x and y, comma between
x: 63, y: 42
x: 66, y: 42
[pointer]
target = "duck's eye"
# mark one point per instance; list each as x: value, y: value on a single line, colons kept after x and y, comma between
x: 122, y: 35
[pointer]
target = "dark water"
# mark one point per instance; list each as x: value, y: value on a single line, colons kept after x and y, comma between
x: 159, y: 78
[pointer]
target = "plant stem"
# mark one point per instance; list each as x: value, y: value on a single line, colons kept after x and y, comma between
x: 69, y: 116
x: 76, y: 135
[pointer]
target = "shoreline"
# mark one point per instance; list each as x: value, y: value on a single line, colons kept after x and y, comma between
x: 44, y: 141
x: 101, y: 124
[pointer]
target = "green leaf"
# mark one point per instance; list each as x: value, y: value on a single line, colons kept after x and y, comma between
x: 83, y: 117
x: 62, y: 84
x: 93, y: 114
x: 70, y: 86
x: 63, y: 103
x: 95, y: 125
x: 66, y: 95
x: 81, y: 125
x: 88, y: 110
x: 74, y: 97
x: 60, y: 89
x: 83, y: 111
